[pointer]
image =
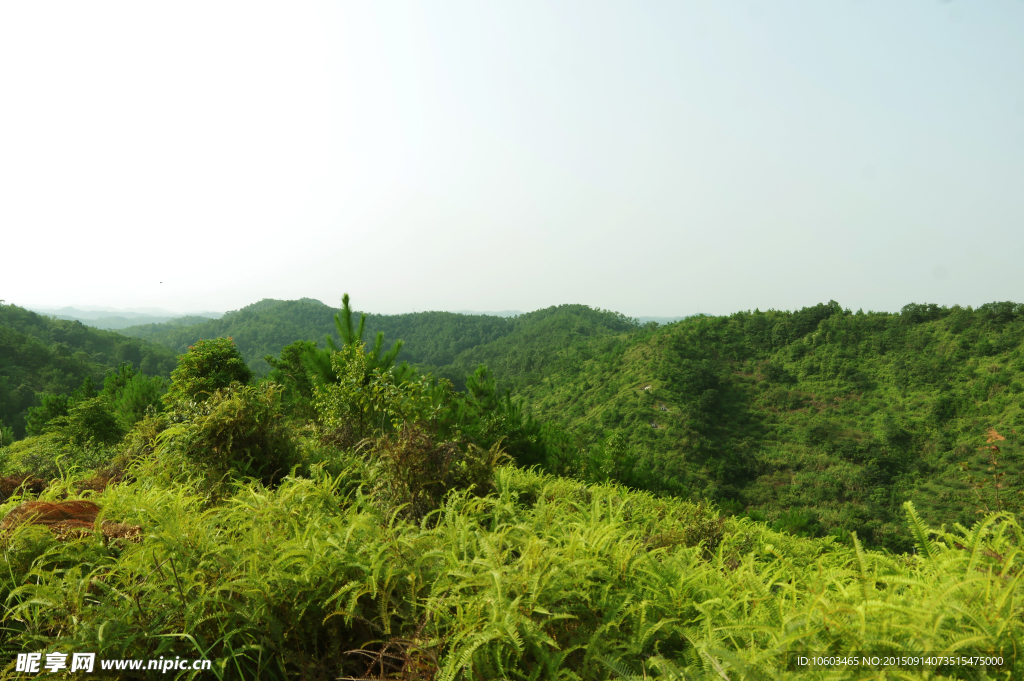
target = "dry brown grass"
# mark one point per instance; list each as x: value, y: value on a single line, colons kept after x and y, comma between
x: 52, y: 513
x: 100, y: 481
x: 993, y: 436
x: 69, y: 520
x: 10, y: 484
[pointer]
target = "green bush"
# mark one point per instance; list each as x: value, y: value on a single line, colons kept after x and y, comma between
x: 208, y: 366
x: 132, y: 394
x: 414, y: 471
x: 6, y: 435
x: 369, y: 402
x: 91, y: 420
x: 84, y: 438
x: 237, y: 430
x: 142, y: 439
x: 50, y: 455
x: 51, y: 407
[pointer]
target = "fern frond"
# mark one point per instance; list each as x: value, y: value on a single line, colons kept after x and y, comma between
x: 920, y: 532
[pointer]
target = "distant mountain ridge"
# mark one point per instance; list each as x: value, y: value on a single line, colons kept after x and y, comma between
x: 122, y: 319
x: 127, y: 313
x: 500, y: 313
x: 448, y: 343
x: 660, y: 320
x: 516, y: 313
x: 114, y: 319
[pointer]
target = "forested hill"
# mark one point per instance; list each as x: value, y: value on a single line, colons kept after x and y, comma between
x: 447, y: 343
x: 821, y: 420
x: 40, y: 354
x: 258, y: 330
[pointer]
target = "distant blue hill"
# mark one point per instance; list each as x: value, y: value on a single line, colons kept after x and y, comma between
x: 500, y: 313
x: 114, y: 319
x: 660, y: 320
x: 516, y: 313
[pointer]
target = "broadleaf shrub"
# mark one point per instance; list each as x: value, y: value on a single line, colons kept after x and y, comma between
x: 239, y: 430
x: 91, y: 420
x: 414, y: 470
x: 48, y: 456
x: 208, y: 365
x: 368, y: 402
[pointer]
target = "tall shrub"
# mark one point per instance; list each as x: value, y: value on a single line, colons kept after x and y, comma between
x: 238, y: 430
x: 208, y: 366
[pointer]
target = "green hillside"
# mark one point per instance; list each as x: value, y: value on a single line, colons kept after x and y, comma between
x: 432, y: 338
x: 538, y: 344
x: 39, y: 354
x: 821, y: 420
x: 521, y: 349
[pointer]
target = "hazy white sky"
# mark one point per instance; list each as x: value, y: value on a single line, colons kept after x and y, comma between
x: 648, y: 157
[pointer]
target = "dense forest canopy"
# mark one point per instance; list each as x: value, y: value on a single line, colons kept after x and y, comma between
x: 263, y: 328
x: 447, y: 342
x: 822, y: 420
x: 40, y: 355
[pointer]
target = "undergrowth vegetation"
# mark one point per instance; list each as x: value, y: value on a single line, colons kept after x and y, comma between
x: 542, y: 578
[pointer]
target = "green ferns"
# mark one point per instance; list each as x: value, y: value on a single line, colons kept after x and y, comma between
x: 544, y: 578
